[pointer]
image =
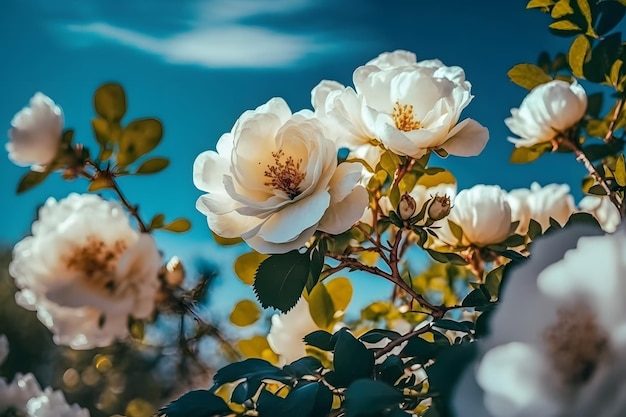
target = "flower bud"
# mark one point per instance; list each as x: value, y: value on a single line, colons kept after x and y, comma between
x: 439, y: 207
x: 174, y: 272
x: 406, y: 206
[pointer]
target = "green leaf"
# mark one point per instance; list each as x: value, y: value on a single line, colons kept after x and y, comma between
x: 100, y: 130
x: 475, y: 298
x: 620, y: 171
x: 30, y: 180
x: 561, y: 8
x: 366, y: 397
x: 583, y: 218
x: 195, y: 404
x: 564, y: 25
x: 99, y: 183
x: 245, y: 313
x: 317, y: 263
x: 442, y: 257
x: 280, y: 279
x: 610, y: 14
x: 351, y: 360
x: 246, y: 266
x: 596, y: 190
x: 602, y: 58
x: 138, y: 138
x: 594, y: 104
x: 447, y: 324
x: 110, y: 102
x: 536, y: 4
x: 585, y: 9
x: 420, y: 350
x: 524, y: 155
x: 157, y: 222
x: 389, y: 162
x: 578, y: 54
x: 376, y: 335
x: 227, y: 241
x: 321, y: 306
x: 534, y: 229
x: 153, y: 165
x: 456, y: 230
x: 180, y: 225
x: 340, y: 290
x: 528, y: 76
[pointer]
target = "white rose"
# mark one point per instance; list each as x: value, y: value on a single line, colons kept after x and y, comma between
x: 413, y: 109
x: 557, y: 343
x: 85, y: 270
x: 288, y: 330
x: 274, y: 181
x: 540, y: 203
x: 603, y: 210
x: 35, y: 134
x: 484, y: 215
x: 549, y: 109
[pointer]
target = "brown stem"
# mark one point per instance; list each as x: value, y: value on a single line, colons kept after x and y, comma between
x: 396, y: 342
x: 616, y: 114
x: 402, y: 170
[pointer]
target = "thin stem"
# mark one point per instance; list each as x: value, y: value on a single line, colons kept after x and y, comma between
x: 396, y: 342
x: 402, y: 170
x: 616, y: 114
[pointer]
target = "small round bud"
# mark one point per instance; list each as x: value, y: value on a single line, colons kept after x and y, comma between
x: 439, y: 207
x: 406, y: 206
x: 174, y: 272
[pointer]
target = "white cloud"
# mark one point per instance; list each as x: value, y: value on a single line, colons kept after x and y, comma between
x: 216, y: 35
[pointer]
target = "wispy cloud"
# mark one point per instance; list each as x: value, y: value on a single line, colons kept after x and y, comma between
x: 218, y: 34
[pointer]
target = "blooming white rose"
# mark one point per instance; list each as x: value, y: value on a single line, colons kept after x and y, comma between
x: 85, y: 270
x: 411, y: 107
x: 483, y: 213
x: 274, y: 181
x: 35, y: 134
x: 288, y: 330
x: 540, y: 203
x: 548, y: 109
x: 25, y: 396
x: 557, y: 345
x: 603, y: 210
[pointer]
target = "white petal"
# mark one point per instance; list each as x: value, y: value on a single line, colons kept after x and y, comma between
x: 467, y: 138
x: 343, y: 215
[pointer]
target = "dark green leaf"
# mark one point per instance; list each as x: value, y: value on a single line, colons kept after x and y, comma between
x: 596, y: 190
x: 280, y: 279
x: 451, y: 325
x: 30, y: 180
x: 153, y: 165
x: 583, y: 218
x: 420, y: 350
x: 320, y: 339
x: 352, y: 360
x: 534, y: 229
x: 157, y: 222
x: 376, y: 335
x: 138, y: 138
x: 602, y: 58
x: 594, y: 104
x: 610, y: 14
x: 110, y: 102
x: 200, y: 403
x: 475, y: 298
x: 442, y: 257
x: 317, y: 263
x: 390, y: 370
x: 370, y: 398
x: 250, y: 368
x: 303, y: 366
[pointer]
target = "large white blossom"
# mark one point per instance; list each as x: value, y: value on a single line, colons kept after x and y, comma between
x: 35, y: 133
x: 288, y: 330
x: 557, y: 344
x: 483, y: 213
x: 410, y: 107
x: 549, y: 109
x: 540, y: 204
x: 85, y: 270
x: 274, y: 181
x: 603, y: 210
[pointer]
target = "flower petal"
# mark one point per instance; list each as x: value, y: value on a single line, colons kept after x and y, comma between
x: 468, y: 138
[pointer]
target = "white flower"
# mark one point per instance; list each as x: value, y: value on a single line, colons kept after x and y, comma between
x: 557, y: 345
x: 484, y: 215
x: 603, y: 210
x: 85, y: 270
x: 548, y: 109
x: 4, y: 348
x: 411, y: 107
x: 274, y: 181
x: 288, y: 330
x: 540, y: 203
x: 35, y: 134
x: 25, y: 396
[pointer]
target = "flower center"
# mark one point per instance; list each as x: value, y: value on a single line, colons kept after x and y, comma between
x: 403, y: 116
x: 575, y: 344
x: 285, y: 174
x: 97, y: 261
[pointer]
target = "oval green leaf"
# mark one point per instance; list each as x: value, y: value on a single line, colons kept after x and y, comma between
x: 321, y: 306
x: 246, y: 266
x: 578, y: 53
x: 340, y: 290
x: 179, y: 225
x: 528, y: 76
x: 152, y: 166
x: 245, y: 313
x: 138, y: 138
x: 280, y: 279
x: 110, y: 102
x: 30, y: 180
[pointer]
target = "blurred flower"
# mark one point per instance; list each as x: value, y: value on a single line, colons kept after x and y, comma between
x: 411, y: 107
x: 4, y: 348
x: 25, y: 397
x: 540, y: 203
x: 549, y: 109
x: 288, y: 330
x: 85, y: 270
x: 603, y: 210
x: 35, y: 134
x: 274, y: 181
x: 174, y: 272
x: 484, y: 215
x: 557, y: 343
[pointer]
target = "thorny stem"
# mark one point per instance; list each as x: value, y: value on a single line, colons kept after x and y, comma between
x: 616, y: 114
x: 561, y: 139
x: 106, y: 174
x: 396, y: 342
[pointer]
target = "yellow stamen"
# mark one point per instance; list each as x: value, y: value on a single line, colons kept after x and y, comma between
x: 403, y: 116
x: 285, y: 176
x: 97, y: 261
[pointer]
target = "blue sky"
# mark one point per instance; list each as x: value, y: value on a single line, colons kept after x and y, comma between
x: 197, y: 65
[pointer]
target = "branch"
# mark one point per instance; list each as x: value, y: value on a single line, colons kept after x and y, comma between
x: 396, y: 342
x: 616, y: 114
